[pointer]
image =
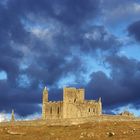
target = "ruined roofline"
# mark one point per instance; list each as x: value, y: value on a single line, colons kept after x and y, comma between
x: 55, y: 101
x: 91, y: 101
x: 73, y: 88
x: 85, y: 101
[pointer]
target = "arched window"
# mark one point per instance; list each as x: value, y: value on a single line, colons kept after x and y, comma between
x: 89, y: 110
x: 74, y: 100
x: 51, y: 110
x: 58, y: 110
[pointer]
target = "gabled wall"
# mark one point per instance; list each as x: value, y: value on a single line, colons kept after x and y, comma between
x: 73, y: 105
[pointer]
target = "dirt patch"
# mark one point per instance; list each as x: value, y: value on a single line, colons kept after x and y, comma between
x: 89, y: 131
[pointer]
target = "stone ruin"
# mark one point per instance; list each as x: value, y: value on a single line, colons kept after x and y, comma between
x: 73, y: 105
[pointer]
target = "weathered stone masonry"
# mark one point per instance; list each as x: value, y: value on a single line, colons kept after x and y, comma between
x: 74, y: 109
x: 73, y: 105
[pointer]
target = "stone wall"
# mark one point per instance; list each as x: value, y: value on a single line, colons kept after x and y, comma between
x: 73, y: 95
x: 54, y: 110
x: 73, y: 106
x: 74, y: 121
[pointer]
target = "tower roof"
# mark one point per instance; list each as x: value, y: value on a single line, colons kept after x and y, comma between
x: 13, y: 116
x: 45, y: 89
x: 99, y: 99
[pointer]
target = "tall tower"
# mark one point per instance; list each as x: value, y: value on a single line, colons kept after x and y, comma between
x: 72, y: 96
x: 99, y: 106
x: 12, y: 116
x: 44, y: 102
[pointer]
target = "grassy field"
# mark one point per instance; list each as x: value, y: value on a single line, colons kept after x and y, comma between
x: 89, y: 131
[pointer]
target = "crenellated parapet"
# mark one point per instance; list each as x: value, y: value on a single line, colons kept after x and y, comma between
x: 73, y: 105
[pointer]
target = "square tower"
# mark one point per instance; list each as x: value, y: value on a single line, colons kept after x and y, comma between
x: 72, y: 95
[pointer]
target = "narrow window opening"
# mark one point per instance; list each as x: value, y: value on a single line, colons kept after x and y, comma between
x: 58, y: 110
x: 51, y: 110
x: 89, y: 110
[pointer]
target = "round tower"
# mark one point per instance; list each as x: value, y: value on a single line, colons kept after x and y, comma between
x: 99, y: 106
x: 12, y: 116
x: 44, y: 102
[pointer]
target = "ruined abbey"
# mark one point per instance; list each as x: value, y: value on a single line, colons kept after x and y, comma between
x: 73, y: 105
x: 74, y: 109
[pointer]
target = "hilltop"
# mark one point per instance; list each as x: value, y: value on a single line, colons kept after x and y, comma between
x: 105, y: 130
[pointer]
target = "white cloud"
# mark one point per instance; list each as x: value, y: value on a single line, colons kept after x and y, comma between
x: 122, y: 13
x: 95, y: 35
x: 4, y: 2
x: 40, y: 33
x: 3, y: 117
x: 136, y: 7
x: 3, y: 75
x: 23, y: 81
x: 129, y: 108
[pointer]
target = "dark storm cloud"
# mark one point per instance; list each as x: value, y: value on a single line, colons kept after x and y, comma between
x: 23, y: 101
x: 22, y: 109
x: 134, y: 30
x: 11, y: 31
x: 52, y: 69
x: 68, y: 12
x: 46, y: 66
x: 120, y: 12
x: 55, y: 51
x: 122, y: 87
x: 10, y: 26
x: 117, y: 3
x: 12, y: 36
x: 97, y: 37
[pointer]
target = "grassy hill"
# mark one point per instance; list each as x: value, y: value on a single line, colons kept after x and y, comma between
x: 105, y: 130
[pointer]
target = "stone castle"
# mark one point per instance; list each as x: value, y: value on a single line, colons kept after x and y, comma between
x: 74, y: 109
x: 73, y: 105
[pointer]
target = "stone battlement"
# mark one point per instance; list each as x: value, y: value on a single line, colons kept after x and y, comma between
x: 74, y: 109
x: 55, y: 102
x: 73, y: 105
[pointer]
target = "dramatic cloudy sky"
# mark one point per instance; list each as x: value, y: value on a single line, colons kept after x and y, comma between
x: 93, y: 44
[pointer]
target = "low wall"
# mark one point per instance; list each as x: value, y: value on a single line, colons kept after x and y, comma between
x: 74, y: 121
